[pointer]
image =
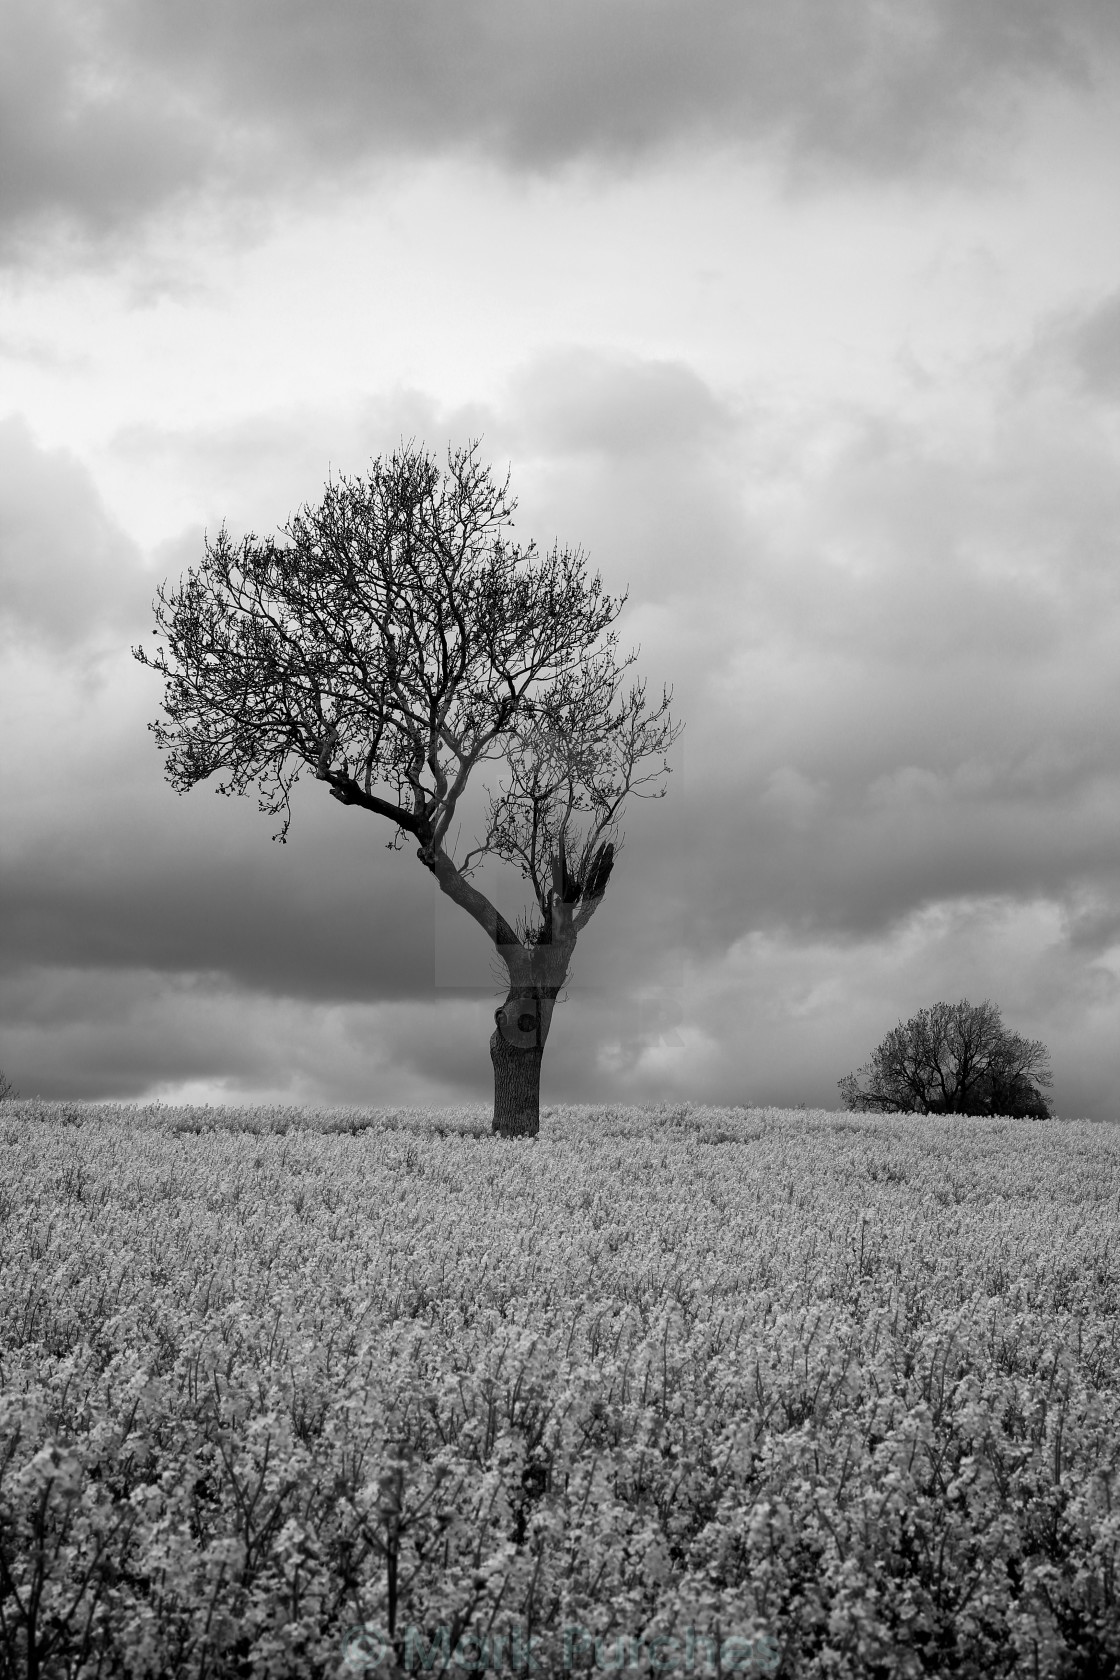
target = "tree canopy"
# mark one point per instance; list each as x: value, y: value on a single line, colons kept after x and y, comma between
x: 953, y: 1058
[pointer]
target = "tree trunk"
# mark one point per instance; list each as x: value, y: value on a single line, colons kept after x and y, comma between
x: 517, y: 1087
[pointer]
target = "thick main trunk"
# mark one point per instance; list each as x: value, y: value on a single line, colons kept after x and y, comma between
x: 521, y: 1030
x: 517, y: 1087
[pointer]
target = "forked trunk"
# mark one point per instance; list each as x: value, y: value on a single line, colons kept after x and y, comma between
x: 517, y: 1087
x: 537, y: 971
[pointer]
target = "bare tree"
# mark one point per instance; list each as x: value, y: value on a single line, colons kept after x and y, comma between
x: 953, y: 1058
x: 7, y: 1089
x: 393, y: 644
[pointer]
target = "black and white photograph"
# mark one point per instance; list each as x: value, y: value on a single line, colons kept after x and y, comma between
x: 560, y: 841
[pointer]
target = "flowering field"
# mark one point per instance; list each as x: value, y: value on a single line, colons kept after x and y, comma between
x: 664, y: 1391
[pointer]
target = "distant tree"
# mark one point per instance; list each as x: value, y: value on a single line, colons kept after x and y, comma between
x: 7, y: 1089
x: 393, y: 644
x: 955, y: 1058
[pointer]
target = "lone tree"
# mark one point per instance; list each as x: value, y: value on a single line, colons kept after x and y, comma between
x: 956, y: 1058
x: 396, y: 641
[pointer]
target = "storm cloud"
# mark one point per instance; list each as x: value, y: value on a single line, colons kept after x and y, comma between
x: 115, y: 110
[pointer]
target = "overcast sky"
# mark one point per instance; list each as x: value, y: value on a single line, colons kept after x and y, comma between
x: 803, y: 319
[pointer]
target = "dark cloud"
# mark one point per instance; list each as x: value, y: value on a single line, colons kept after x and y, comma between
x: 294, y: 921
x: 90, y: 134
x: 90, y: 1034
x: 1093, y: 918
x: 1078, y: 350
x: 113, y: 110
x: 127, y: 1034
x: 67, y: 571
x: 108, y: 869
x: 1095, y: 346
x: 192, y: 885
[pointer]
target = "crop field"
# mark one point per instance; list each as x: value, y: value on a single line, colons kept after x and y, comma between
x: 664, y: 1391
